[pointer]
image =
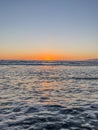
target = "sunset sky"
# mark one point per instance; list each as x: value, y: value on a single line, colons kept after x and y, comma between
x: 48, y: 29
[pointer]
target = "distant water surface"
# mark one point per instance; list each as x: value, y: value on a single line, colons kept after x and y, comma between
x: 44, y: 97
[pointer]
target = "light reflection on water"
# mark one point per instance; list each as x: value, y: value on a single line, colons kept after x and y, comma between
x: 67, y: 86
x: 50, y: 83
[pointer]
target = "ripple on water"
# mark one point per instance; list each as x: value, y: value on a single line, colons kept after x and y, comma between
x: 54, y: 117
x: 48, y: 98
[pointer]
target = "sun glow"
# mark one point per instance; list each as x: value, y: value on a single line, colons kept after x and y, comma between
x: 44, y: 56
x: 50, y: 56
x: 47, y: 56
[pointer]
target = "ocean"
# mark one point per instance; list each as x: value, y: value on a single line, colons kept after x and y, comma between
x: 48, y: 95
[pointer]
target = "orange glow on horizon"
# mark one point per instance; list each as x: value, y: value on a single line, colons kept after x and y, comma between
x: 45, y: 56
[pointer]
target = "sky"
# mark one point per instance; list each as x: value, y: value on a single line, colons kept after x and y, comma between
x: 48, y: 29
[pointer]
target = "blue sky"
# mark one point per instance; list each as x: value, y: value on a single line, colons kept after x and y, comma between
x: 67, y: 27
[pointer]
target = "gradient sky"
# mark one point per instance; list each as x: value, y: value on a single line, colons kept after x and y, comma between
x: 51, y: 29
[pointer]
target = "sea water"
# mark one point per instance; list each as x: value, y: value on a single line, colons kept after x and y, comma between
x: 48, y: 95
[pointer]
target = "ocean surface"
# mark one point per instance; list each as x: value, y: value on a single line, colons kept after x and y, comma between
x: 55, y: 95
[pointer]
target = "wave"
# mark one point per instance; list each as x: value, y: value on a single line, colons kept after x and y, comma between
x: 54, y: 117
x: 84, y: 78
x: 49, y: 63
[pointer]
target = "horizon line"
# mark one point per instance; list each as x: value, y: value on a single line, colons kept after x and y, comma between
x: 49, y: 60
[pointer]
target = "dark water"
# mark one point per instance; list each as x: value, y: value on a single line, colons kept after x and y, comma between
x: 48, y: 97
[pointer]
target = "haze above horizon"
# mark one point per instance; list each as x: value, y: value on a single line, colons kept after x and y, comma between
x: 49, y: 29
